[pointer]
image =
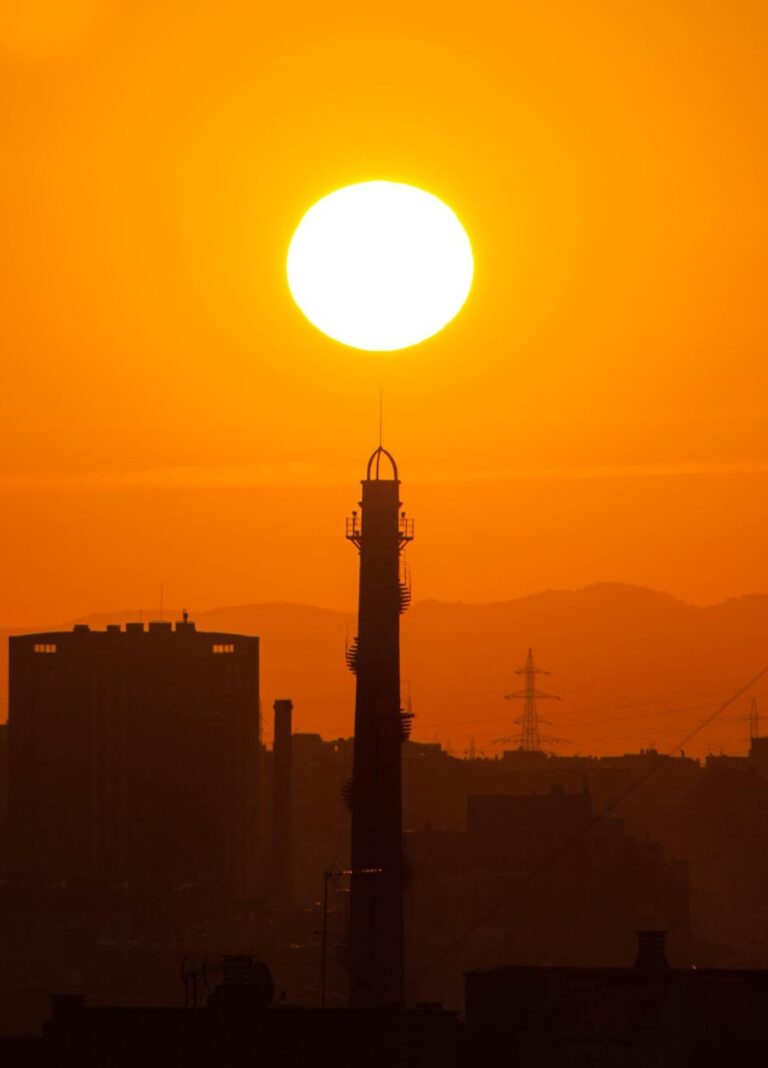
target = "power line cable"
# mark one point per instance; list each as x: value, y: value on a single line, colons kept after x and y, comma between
x: 611, y: 807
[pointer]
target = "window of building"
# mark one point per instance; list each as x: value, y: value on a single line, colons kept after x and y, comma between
x: 228, y: 648
x: 44, y: 647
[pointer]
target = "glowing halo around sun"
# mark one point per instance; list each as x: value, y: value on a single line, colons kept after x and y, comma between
x: 380, y: 265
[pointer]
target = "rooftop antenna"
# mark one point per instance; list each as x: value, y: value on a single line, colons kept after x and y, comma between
x: 381, y: 417
x: 162, y: 590
x: 754, y: 721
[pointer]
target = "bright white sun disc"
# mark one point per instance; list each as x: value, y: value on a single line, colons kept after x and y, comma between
x: 380, y: 265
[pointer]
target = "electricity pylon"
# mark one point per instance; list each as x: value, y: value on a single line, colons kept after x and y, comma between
x: 530, y: 738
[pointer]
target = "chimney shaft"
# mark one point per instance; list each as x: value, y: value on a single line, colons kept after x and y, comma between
x: 282, y: 805
x: 376, y: 936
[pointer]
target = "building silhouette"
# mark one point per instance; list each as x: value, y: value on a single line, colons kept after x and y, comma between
x: 133, y: 757
x: 721, y: 826
x: 536, y: 879
x: 240, y: 1026
x: 380, y: 532
x: 647, y: 1014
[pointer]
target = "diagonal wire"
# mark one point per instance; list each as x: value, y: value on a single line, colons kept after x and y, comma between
x: 555, y: 855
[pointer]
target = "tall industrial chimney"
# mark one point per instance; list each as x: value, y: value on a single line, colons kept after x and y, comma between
x: 380, y: 532
x: 282, y: 805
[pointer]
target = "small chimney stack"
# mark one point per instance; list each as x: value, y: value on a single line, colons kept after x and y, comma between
x: 651, y: 951
x: 282, y: 805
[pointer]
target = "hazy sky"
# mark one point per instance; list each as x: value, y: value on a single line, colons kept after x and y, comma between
x: 597, y: 411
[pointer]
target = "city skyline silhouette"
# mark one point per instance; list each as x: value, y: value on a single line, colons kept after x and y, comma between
x: 281, y: 783
x: 656, y: 686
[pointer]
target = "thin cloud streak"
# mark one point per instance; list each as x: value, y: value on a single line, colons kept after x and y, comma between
x: 312, y: 475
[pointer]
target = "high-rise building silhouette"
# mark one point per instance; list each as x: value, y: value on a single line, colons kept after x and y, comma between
x: 134, y: 756
x: 380, y: 532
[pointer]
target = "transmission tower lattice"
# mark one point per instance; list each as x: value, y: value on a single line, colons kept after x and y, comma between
x: 529, y: 738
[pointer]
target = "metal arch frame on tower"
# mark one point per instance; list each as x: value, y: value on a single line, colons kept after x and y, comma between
x: 376, y: 457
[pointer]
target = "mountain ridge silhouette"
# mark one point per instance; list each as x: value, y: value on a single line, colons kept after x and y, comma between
x: 634, y: 667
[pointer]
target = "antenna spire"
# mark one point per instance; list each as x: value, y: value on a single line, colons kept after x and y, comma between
x: 381, y: 417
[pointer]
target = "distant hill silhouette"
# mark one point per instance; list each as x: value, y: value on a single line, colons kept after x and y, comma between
x: 633, y: 667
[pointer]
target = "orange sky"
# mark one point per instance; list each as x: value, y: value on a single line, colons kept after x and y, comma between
x: 596, y: 412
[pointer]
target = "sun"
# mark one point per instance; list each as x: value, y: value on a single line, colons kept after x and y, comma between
x: 380, y: 265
